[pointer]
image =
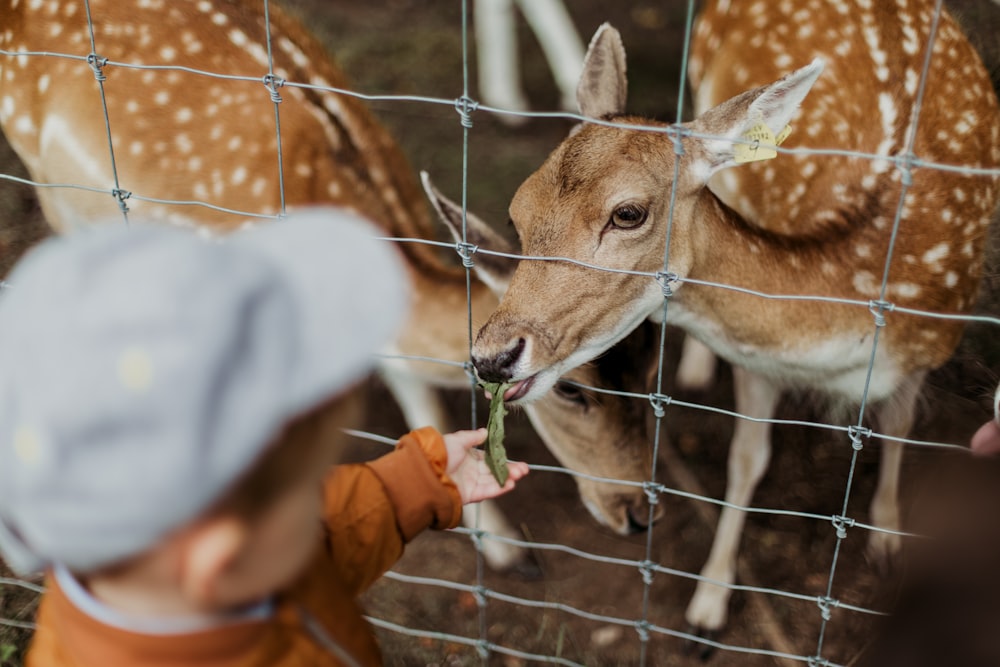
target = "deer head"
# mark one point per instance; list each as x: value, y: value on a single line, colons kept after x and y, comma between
x: 603, y: 198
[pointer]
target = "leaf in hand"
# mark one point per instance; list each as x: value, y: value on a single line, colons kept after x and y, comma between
x: 495, y: 454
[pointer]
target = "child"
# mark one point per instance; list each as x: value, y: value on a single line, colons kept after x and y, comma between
x: 170, y: 409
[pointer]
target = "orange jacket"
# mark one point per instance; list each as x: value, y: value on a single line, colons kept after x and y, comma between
x: 372, y: 511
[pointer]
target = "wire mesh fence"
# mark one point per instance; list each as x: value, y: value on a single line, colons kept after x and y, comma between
x: 643, y: 622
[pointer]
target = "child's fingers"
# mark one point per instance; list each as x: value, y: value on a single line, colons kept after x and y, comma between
x: 517, y: 469
x: 466, y: 439
x: 471, y: 439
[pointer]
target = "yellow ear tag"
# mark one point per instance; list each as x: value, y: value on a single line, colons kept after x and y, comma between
x: 762, y: 144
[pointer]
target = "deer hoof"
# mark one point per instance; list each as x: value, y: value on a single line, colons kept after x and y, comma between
x: 702, y: 650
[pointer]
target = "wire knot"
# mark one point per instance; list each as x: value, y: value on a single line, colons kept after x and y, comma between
x: 646, y: 569
x: 905, y: 164
x: 465, y: 105
x: 97, y: 64
x: 878, y: 309
x: 466, y: 251
x: 120, y: 196
x: 483, y: 649
x: 659, y: 402
x: 816, y: 661
x: 652, y: 490
x: 825, y: 605
x: 856, y: 433
x: 841, y: 524
x: 677, y: 134
x: 477, y: 538
x: 272, y: 83
x: 666, y: 279
x: 642, y: 628
x: 479, y: 592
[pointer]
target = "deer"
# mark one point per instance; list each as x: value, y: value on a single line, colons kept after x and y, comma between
x: 181, y: 137
x: 799, y: 224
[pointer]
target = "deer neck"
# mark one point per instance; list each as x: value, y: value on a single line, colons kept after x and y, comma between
x: 726, y: 248
x: 830, y: 339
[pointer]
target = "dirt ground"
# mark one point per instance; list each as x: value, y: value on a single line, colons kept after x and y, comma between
x: 414, y: 47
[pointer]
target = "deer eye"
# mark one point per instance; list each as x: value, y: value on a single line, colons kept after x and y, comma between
x: 570, y: 392
x: 628, y: 216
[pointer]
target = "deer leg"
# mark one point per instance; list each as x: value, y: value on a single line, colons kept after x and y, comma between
x: 560, y: 42
x: 696, y: 369
x: 421, y: 406
x: 496, y: 44
x: 749, y: 455
x: 895, y: 418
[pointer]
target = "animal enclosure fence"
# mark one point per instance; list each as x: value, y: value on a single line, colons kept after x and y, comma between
x: 642, y: 623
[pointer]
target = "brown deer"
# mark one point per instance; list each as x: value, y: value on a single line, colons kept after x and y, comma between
x: 181, y: 136
x: 797, y: 225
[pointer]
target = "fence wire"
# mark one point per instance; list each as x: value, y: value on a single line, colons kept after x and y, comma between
x: 660, y: 404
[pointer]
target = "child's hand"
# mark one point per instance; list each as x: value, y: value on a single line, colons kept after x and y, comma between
x: 466, y: 468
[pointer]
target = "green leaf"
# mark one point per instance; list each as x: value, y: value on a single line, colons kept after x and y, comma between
x: 496, y: 454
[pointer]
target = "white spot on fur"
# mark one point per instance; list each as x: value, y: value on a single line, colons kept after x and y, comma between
x: 907, y: 290
x: 6, y: 107
x: 889, y: 112
x: 932, y: 258
x: 258, y: 186
x: 864, y: 283
x: 24, y: 125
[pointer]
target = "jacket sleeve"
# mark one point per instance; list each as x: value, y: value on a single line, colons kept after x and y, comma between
x: 372, y: 510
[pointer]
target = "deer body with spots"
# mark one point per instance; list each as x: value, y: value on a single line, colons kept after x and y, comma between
x: 797, y: 225
x: 181, y: 136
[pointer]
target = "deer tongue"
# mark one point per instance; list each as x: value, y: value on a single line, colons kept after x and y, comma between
x: 518, y: 389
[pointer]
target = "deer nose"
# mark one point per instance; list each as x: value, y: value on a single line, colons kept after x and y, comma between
x: 637, y: 523
x: 499, y: 368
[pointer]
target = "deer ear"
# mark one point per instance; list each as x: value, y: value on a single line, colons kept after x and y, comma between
x: 603, y: 87
x: 495, y: 272
x: 772, y: 105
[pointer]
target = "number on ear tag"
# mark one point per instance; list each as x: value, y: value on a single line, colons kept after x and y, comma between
x: 762, y: 144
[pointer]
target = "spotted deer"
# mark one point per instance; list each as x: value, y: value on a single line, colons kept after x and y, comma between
x: 796, y: 225
x: 180, y: 136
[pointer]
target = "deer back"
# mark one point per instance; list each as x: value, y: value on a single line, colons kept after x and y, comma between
x: 184, y: 136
